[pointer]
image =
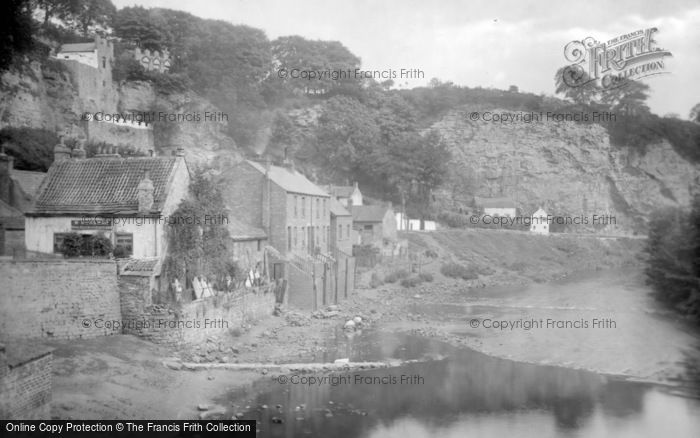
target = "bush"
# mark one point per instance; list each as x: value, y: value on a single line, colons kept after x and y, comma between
x: 455, y: 270
x: 453, y: 220
x: 426, y: 277
x: 120, y: 252
x: 71, y: 245
x: 100, y: 245
x: 411, y: 281
x: 396, y: 275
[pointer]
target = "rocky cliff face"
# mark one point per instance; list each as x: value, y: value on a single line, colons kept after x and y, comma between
x: 46, y: 96
x: 38, y: 96
x: 568, y: 168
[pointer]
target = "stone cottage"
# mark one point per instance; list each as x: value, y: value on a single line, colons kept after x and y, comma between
x: 375, y: 225
x: 129, y: 200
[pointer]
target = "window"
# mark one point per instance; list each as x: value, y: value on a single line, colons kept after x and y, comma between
x: 58, y: 241
x: 296, y: 213
x: 368, y: 227
x: 325, y: 208
x: 259, y: 245
x: 104, y: 62
x: 318, y: 208
x: 296, y: 237
x: 303, y: 207
x: 347, y: 234
x: 340, y: 232
x: 126, y: 241
x: 303, y: 235
x: 289, y: 238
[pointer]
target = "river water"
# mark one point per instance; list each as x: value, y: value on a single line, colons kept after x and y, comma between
x: 467, y: 394
x: 460, y: 392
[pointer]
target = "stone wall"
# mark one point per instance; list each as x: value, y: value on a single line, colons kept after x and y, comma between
x: 57, y: 298
x: 26, y: 388
x: 193, y: 322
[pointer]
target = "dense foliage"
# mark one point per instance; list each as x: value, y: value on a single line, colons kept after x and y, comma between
x: 198, y: 247
x: 673, y: 267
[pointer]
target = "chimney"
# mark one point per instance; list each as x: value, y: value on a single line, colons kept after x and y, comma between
x: 79, y: 152
x: 61, y: 152
x: 356, y: 185
x: 145, y: 194
x: 7, y: 163
x: 180, y: 152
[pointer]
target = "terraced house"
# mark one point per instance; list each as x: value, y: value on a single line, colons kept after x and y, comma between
x: 293, y: 212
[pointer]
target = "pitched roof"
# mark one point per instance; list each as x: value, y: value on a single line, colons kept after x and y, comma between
x: 78, y: 47
x: 368, y: 213
x: 6, y: 210
x: 28, y: 181
x: 337, y: 208
x: 290, y: 180
x: 103, y: 185
x: 342, y: 191
x: 242, y: 231
x: 502, y: 202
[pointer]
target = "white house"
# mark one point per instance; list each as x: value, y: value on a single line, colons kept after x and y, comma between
x: 403, y: 223
x: 503, y: 207
x: 539, y: 222
x: 127, y: 200
x: 348, y: 196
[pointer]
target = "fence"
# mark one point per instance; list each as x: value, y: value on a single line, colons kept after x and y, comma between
x: 320, y: 281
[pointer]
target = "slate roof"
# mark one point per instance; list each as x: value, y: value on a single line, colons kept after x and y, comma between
x: 495, y: 202
x: 78, y: 47
x: 242, y: 231
x: 290, y: 180
x: 102, y: 185
x: 337, y: 209
x: 368, y: 213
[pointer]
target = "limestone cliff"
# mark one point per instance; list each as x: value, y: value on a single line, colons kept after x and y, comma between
x: 569, y: 168
x: 46, y: 96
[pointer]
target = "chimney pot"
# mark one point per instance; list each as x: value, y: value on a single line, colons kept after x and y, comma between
x: 61, y: 152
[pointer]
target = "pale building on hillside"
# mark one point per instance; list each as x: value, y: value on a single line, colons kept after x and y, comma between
x: 539, y: 222
x: 348, y: 196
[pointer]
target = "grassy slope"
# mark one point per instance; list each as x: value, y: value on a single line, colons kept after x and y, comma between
x: 521, y: 254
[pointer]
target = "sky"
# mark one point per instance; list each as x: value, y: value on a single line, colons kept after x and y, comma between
x: 490, y: 43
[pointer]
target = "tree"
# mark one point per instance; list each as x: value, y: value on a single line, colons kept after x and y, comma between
x: 86, y: 13
x: 15, y: 31
x: 673, y: 266
x: 575, y: 84
x: 695, y: 114
x: 628, y: 99
x: 55, y: 8
x: 142, y: 27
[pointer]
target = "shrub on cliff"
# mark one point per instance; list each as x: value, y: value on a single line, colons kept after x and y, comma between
x: 455, y: 270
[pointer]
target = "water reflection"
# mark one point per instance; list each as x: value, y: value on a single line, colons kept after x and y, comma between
x: 472, y: 394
